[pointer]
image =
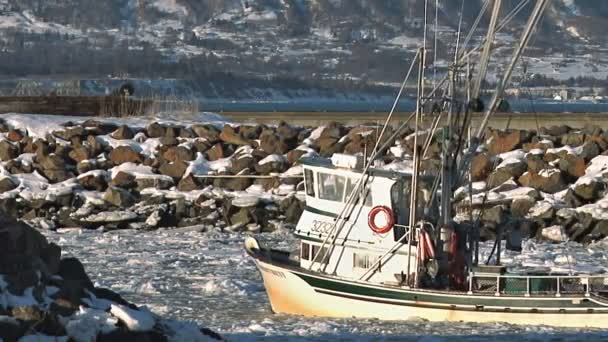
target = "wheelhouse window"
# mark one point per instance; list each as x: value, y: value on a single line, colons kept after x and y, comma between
x: 324, y: 254
x: 331, y: 187
x: 351, y: 183
x: 363, y: 261
x: 309, y: 181
x: 305, y: 251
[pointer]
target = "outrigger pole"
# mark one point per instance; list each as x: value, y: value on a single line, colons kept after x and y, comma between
x: 485, y: 56
x: 498, y: 95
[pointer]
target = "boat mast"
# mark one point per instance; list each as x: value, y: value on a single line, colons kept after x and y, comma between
x: 485, y: 56
x: 498, y: 95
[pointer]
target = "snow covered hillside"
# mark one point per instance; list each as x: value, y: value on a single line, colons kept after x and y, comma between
x: 306, y: 39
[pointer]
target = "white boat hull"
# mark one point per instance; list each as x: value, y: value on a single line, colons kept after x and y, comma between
x: 290, y: 294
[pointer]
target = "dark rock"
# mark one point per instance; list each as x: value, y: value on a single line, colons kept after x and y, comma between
x: 276, y: 165
x: 498, y: 177
x: 501, y: 142
x: 70, y: 132
x: 590, y: 150
x: 588, y: 191
x: 294, y: 155
x: 118, y: 197
x: 555, y: 130
x: 208, y: 132
x: 79, y: 154
x: 8, y: 151
x: 169, y: 141
x: 94, y: 145
x: 272, y: 143
x: 154, y: 182
x: 95, y: 127
x: 155, y: 130
x: 201, y: 145
x: 124, y: 180
x: 536, y: 162
x: 123, y: 132
x: 250, y: 132
x: 125, y: 154
x: 333, y: 130
x: 230, y: 136
x: 481, y: 167
x: 27, y: 313
x: 573, y: 139
x: 216, y: 152
x: 521, y: 206
x: 178, y: 153
x: 189, y: 183
x: 550, y: 181
x: 14, y: 135
x: 121, y: 335
x: 572, y: 200
x: 241, y: 163
x: 287, y: 131
x: 95, y: 182
x: 7, y: 184
x: 572, y: 166
x: 187, y: 133
x: 175, y: 170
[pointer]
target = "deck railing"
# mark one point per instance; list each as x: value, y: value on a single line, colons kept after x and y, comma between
x: 536, y: 285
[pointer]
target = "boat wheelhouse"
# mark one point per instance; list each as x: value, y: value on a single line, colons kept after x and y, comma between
x: 357, y: 247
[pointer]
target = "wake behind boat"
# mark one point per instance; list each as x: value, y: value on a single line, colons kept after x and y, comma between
x: 386, y: 244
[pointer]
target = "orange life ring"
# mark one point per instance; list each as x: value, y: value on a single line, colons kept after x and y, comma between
x: 390, y: 217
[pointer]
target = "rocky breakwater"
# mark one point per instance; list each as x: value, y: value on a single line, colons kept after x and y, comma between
x: 46, y: 298
x: 114, y: 174
x: 118, y: 174
x: 550, y: 184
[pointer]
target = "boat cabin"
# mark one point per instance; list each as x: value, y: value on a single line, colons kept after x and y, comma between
x: 358, y: 246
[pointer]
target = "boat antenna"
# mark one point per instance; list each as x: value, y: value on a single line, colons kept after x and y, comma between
x: 435, y: 31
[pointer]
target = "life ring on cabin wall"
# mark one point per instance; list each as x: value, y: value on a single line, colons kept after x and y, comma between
x: 385, y: 227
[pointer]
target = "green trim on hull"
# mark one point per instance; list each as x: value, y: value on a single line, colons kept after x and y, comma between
x: 454, y: 301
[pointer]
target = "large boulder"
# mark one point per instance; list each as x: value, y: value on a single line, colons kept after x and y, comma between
x: 273, y: 143
x: 175, y: 170
x: 176, y: 153
x: 481, y: 167
x: 7, y: 184
x: 123, y: 132
x: 118, y: 197
x: 8, y: 150
x: 216, y: 152
x: 94, y: 181
x: 589, y: 189
x: 230, y: 136
x: 125, y: 154
x: 572, y: 166
x: 548, y: 180
x: 208, y: 132
x: 501, y: 141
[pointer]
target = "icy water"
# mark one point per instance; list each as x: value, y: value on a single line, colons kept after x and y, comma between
x: 208, y: 278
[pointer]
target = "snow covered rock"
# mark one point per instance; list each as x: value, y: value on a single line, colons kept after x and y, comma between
x: 43, y: 298
x: 554, y: 234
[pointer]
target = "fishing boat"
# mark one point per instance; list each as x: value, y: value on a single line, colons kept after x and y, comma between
x: 378, y: 243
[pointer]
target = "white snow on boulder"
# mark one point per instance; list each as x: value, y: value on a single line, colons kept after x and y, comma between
x: 273, y: 158
x: 135, y: 320
x: 595, y: 171
x: 86, y: 324
x: 555, y: 234
x: 245, y: 200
